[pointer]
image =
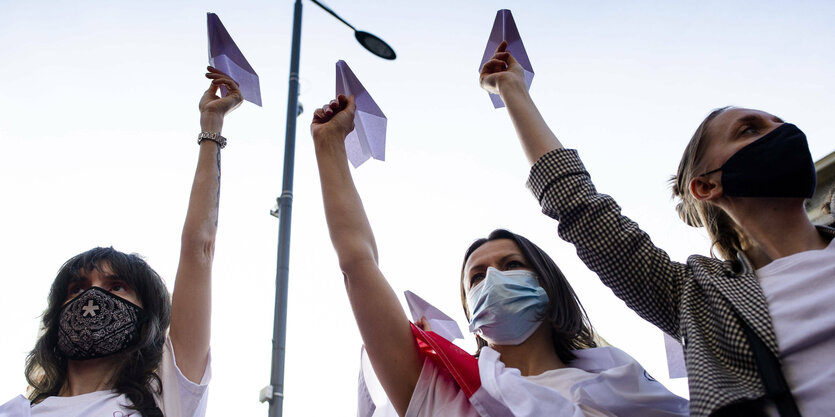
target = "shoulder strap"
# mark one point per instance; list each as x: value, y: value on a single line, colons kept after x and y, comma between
x: 776, y: 387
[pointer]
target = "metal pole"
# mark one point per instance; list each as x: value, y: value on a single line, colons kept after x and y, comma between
x: 285, y: 204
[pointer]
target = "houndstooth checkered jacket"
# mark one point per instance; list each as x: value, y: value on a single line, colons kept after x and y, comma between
x: 701, y: 302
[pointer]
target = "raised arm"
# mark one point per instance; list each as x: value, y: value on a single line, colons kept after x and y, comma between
x: 191, y: 306
x: 609, y: 243
x: 382, y: 323
x: 504, y: 76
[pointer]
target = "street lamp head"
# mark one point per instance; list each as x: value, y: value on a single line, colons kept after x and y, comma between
x: 375, y: 45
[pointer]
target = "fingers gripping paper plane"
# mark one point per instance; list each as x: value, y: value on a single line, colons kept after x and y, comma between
x: 225, y: 56
x: 368, y: 139
x: 504, y: 29
x: 440, y: 323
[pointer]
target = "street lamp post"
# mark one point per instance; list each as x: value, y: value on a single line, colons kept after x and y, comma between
x: 274, y: 393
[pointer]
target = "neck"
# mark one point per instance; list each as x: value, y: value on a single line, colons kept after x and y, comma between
x: 89, y: 376
x: 774, y: 227
x: 533, y: 356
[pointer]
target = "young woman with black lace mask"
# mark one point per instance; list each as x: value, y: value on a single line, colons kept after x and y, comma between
x: 106, y: 347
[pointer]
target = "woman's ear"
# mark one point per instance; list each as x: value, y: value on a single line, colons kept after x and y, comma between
x: 703, y: 188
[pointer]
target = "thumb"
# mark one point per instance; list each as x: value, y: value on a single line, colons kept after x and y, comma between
x: 424, y: 324
x: 511, y: 60
x: 211, y: 92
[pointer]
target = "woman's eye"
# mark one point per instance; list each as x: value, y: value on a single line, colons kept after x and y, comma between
x: 514, y: 265
x: 475, y: 279
x: 748, y: 130
x: 74, y: 290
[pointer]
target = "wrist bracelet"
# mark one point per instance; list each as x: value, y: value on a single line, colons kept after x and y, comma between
x: 212, y: 136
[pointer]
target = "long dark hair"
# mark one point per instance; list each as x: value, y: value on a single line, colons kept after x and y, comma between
x: 135, y: 376
x: 570, y: 325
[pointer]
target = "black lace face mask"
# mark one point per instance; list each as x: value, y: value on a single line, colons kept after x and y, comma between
x: 97, y: 323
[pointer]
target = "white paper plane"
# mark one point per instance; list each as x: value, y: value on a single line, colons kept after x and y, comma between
x: 504, y: 29
x: 368, y: 139
x: 440, y: 323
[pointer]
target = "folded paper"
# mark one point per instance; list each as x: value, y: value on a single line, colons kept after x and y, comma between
x: 225, y: 56
x: 675, y: 357
x: 439, y: 322
x: 504, y: 29
x: 368, y: 139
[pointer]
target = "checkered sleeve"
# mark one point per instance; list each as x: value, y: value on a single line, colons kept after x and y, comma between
x: 609, y: 243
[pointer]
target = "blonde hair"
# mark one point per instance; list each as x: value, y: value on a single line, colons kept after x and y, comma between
x: 726, y: 236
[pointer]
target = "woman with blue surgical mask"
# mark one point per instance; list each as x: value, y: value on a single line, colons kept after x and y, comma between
x: 758, y: 323
x: 537, y: 353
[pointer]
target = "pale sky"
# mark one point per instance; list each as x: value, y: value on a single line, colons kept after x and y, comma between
x: 98, y: 125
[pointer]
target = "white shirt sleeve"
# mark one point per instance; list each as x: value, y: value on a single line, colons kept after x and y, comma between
x: 16, y: 407
x: 180, y: 396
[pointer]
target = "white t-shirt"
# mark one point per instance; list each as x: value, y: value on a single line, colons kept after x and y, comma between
x: 614, y: 385
x: 180, y: 397
x: 800, y: 290
x: 437, y: 395
x: 563, y: 380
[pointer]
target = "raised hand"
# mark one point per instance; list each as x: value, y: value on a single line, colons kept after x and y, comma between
x: 213, y: 107
x: 503, y: 75
x: 383, y: 325
x: 335, y: 118
x: 501, y: 70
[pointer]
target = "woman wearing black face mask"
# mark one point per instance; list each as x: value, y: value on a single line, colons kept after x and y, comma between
x: 105, y: 347
x: 758, y: 326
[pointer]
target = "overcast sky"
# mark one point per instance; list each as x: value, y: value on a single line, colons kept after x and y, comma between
x: 98, y: 120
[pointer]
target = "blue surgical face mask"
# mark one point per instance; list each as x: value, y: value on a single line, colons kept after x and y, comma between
x: 506, y: 307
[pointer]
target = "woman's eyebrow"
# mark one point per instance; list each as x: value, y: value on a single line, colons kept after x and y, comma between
x: 78, y: 278
x: 110, y: 278
x: 748, y: 119
x: 473, y: 268
x: 510, y: 256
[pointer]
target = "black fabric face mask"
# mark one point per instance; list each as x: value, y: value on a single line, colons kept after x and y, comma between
x: 776, y: 165
x: 97, y: 323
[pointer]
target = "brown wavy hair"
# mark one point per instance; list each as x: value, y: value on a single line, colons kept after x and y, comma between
x: 46, y: 367
x: 570, y: 325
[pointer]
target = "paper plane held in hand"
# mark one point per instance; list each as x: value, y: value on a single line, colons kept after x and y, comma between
x: 439, y: 322
x: 225, y: 56
x: 368, y: 139
x: 504, y: 29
